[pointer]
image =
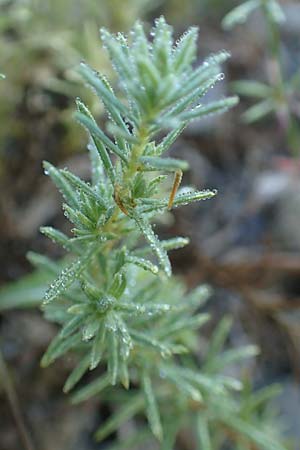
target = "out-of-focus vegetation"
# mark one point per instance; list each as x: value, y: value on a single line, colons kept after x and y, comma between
x: 279, y: 94
x: 41, y: 42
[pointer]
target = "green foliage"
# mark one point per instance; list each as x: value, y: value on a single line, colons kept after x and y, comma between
x: 41, y: 42
x: 240, y: 13
x: 277, y: 95
x: 118, y: 307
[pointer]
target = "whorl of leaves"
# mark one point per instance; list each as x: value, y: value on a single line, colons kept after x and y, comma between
x: 119, y: 308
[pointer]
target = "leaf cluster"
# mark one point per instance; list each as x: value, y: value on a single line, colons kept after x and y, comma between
x: 276, y: 95
x: 119, y: 310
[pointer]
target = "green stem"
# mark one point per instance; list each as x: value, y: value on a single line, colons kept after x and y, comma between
x: 276, y: 78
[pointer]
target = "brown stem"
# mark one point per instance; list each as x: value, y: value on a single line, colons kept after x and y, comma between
x: 14, y: 405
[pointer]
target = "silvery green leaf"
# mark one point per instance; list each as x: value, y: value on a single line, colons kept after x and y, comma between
x: 206, y: 383
x: 168, y: 164
x: 258, y: 111
x: 260, y: 397
x: 183, y: 324
x: 143, y: 263
x: 148, y: 311
x: 77, y: 374
x: 230, y: 382
x: 183, y: 385
x: 124, y: 373
x: 79, y: 219
x: 99, y: 145
x: 140, y: 43
x: 78, y: 309
x: 231, y: 356
x: 217, y: 107
x: 118, y: 285
x: 149, y: 75
x: 59, y: 346
x: 251, y: 432
x: 186, y: 50
x: 151, y: 205
x: 147, y: 340
x: 105, y: 92
x: 56, y: 236
x: 118, y: 52
x: 98, y: 347
x: 123, y: 415
x: 202, y: 432
x: 169, y: 139
x: 252, y: 88
x: 26, y: 292
x: 274, y: 11
x: 68, y: 276
x: 71, y: 326
x: 197, y: 297
x: 79, y: 184
x: 92, y: 389
x: 169, y: 244
x: 218, y: 339
x: 240, y: 14
x: 68, y: 193
x: 124, y: 338
x: 90, y: 328
x: 43, y: 262
x: 113, y: 357
x: 98, y: 175
x: 195, y: 95
x: 155, y: 245
x: 189, y: 197
x: 200, y: 76
x: 152, y: 407
x: 162, y: 45
x: 98, y: 134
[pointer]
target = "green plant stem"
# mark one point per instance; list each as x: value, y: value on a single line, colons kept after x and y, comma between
x: 137, y: 151
x: 276, y: 78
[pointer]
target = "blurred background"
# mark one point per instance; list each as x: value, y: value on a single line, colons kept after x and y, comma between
x: 245, y: 242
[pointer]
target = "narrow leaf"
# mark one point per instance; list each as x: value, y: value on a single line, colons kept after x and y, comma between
x: 186, y: 50
x: 123, y: 415
x: 216, y: 107
x: 67, y: 277
x: 168, y: 164
x: 58, y: 347
x: 152, y: 407
x: 252, y: 88
x: 151, y: 237
x: 63, y: 186
x: 258, y: 111
x: 169, y: 139
x: 240, y: 14
x: 202, y: 432
x: 113, y: 358
x: 98, y: 347
x: 143, y: 263
x: 76, y: 374
x: 96, y: 132
x: 56, y: 236
x: 101, y: 148
x: 43, y: 263
x: 92, y: 389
